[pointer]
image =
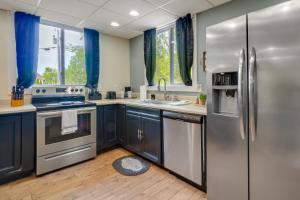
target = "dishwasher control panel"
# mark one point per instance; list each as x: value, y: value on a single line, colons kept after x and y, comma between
x: 184, y: 117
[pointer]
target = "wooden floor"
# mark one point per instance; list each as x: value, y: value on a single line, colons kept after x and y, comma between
x: 96, y: 179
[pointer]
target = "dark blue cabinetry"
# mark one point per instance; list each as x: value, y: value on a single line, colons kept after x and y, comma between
x: 151, y: 139
x: 121, y: 125
x: 144, y: 133
x: 137, y: 129
x: 107, y: 136
x: 17, y: 145
x: 133, y: 122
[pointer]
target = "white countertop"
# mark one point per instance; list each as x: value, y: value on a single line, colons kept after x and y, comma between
x: 6, y: 109
x: 190, y: 109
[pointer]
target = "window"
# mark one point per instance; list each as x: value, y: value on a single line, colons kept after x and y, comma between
x: 61, y: 55
x: 166, y: 57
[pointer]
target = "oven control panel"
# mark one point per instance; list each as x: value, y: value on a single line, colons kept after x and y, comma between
x: 58, y: 90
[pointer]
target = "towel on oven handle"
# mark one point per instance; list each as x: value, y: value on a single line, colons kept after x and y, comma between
x: 69, y: 123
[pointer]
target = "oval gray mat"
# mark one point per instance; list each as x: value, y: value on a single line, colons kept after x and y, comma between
x: 131, y: 165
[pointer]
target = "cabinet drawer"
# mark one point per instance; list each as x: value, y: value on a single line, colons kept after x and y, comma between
x: 147, y: 112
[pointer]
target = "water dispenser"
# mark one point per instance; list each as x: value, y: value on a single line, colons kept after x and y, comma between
x: 225, y: 88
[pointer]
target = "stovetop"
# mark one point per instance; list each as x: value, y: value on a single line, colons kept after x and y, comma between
x: 44, y: 103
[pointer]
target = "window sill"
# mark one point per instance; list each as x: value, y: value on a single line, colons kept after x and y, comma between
x: 176, y: 88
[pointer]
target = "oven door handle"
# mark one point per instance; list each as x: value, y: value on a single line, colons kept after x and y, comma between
x: 55, y: 113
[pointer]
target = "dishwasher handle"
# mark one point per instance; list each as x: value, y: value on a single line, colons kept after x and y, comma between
x: 197, y: 119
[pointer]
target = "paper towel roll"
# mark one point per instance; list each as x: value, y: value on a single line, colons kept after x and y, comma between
x: 143, y: 92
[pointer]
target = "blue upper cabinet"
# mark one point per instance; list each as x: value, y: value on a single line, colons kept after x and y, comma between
x: 16, y: 145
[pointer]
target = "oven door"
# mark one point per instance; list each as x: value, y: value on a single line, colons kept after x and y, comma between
x: 49, y: 137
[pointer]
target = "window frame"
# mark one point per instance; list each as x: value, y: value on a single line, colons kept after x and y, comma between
x: 61, y: 65
x: 177, y: 86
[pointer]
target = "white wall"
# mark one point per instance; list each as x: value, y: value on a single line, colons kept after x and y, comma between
x: 114, y: 63
x: 114, y: 59
x: 7, y: 54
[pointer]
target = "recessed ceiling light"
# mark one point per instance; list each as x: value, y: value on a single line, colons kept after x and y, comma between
x: 134, y: 13
x: 114, y: 24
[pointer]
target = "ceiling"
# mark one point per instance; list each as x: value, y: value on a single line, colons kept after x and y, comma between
x: 98, y: 14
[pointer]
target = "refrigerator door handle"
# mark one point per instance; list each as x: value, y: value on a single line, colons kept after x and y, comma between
x: 240, y: 92
x: 252, y: 82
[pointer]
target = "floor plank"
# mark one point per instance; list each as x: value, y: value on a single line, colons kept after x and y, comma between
x: 96, y: 179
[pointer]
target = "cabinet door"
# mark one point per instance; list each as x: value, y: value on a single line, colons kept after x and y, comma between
x: 100, y: 140
x: 133, y: 126
x: 151, y: 139
x: 110, y: 126
x: 10, y: 144
x: 122, y: 125
x: 28, y: 141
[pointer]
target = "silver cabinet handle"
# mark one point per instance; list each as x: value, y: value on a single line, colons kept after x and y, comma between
x: 240, y: 92
x: 252, y: 95
x: 139, y: 134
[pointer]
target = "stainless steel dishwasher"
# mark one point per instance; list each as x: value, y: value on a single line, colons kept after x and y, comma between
x: 184, y: 146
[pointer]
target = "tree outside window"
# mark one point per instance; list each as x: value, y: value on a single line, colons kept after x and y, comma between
x: 61, y: 56
x: 166, y: 57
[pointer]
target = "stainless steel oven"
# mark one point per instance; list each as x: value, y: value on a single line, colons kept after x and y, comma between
x: 56, y: 150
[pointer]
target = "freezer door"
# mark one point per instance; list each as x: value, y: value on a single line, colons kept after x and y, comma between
x: 274, y: 94
x: 227, y: 150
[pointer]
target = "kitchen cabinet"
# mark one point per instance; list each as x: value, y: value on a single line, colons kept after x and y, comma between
x: 151, y: 137
x: 144, y: 133
x: 100, y: 125
x: 17, y: 144
x: 121, y: 122
x: 133, y: 128
x: 107, y: 136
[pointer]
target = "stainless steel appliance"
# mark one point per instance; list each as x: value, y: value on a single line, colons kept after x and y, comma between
x: 184, y: 146
x: 253, y: 121
x: 54, y: 149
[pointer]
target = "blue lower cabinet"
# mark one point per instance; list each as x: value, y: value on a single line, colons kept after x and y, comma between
x: 151, y: 139
x: 136, y: 129
x: 144, y: 135
x: 133, y: 124
x: 107, y: 136
x: 17, y: 146
x: 121, y: 125
x: 100, y: 124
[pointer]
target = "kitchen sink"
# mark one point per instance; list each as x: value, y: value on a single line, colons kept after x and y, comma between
x: 164, y: 102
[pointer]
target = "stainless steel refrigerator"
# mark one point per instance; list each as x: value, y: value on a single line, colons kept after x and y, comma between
x: 253, y: 121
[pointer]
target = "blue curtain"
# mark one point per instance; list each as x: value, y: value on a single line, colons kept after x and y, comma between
x: 185, y: 47
x: 27, y: 47
x: 150, y: 54
x: 92, y: 57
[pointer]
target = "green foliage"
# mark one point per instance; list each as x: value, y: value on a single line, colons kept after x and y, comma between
x: 162, y: 57
x: 75, y: 71
x: 202, y: 97
x: 177, y: 76
x: 49, y: 77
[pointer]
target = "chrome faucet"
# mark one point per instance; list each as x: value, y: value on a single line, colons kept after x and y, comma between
x: 165, y: 87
